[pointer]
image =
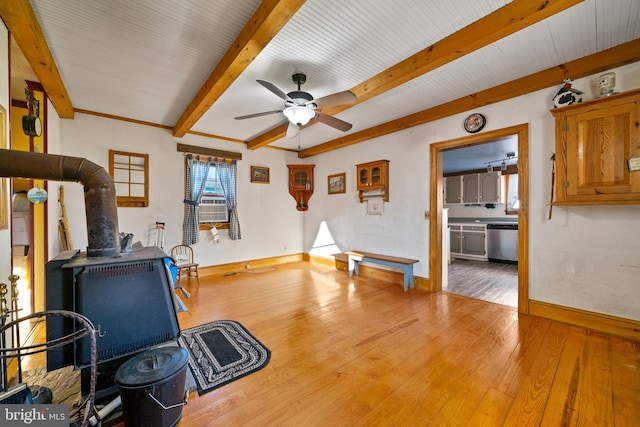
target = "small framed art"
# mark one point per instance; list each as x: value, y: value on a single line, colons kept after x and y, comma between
x: 259, y: 174
x: 336, y: 183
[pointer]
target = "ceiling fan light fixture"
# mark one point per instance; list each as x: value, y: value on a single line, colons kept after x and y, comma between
x: 299, y: 115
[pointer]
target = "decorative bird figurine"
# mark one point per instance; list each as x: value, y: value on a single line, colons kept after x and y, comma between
x: 567, y: 95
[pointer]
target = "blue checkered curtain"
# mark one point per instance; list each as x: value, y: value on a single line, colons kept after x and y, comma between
x: 197, y: 172
x: 227, y: 173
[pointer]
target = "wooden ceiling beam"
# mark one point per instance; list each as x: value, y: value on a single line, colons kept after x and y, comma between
x: 505, y: 21
x: 265, y: 23
x: 618, y: 56
x: 21, y: 21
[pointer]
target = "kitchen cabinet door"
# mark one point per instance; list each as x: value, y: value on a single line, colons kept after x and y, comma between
x: 455, y: 237
x: 470, y: 188
x: 489, y: 184
x: 453, y: 189
x: 474, y: 243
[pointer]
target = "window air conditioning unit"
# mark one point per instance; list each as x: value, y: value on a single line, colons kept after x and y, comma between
x: 213, y: 209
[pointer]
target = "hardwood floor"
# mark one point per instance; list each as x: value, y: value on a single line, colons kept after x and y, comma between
x: 488, y: 281
x: 361, y: 352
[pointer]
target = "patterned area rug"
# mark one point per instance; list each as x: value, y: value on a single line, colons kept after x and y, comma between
x: 64, y: 384
x: 221, y: 352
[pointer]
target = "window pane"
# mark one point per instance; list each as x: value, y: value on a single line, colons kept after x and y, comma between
x: 122, y: 190
x: 121, y: 160
x: 137, y: 163
x: 137, y: 177
x: 121, y: 175
x: 213, y: 185
x: 137, y: 190
x: 513, y: 201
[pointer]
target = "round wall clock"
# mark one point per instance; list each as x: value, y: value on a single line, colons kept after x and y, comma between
x: 474, y: 123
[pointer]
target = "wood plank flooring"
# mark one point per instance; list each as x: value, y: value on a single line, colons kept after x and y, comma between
x: 361, y: 352
x: 488, y: 281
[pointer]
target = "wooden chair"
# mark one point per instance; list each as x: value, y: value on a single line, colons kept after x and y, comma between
x: 183, y: 256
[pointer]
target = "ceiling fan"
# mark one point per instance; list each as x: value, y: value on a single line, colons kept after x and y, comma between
x: 300, y: 107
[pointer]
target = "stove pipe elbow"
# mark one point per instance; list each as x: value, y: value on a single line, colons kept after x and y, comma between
x: 99, y: 191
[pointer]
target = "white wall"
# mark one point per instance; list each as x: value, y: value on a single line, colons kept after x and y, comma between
x: 5, y: 235
x: 269, y: 222
x: 585, y: 257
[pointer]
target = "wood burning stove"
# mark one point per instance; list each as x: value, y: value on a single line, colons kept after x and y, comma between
x: 129, y: 298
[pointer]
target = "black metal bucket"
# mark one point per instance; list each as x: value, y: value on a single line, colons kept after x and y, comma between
x: 152, y: 387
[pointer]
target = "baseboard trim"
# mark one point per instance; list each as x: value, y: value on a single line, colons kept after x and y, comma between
x: 329, y: 262
x: 626, y: 328
x: 236, y: 267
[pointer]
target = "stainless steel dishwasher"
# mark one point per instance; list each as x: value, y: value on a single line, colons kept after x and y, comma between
x: 502, y: 242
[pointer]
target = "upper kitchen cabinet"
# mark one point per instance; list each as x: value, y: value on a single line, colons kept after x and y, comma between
x: 597, y: 142
x: 489, y: 187
x: 481, y: 188
x: 453, y: 189
x: 373, y: 178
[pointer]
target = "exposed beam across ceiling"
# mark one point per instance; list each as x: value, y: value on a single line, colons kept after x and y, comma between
x: 507, y: 20
x: 615, y: 57
x: 265, y: 23
x: 21, y: 21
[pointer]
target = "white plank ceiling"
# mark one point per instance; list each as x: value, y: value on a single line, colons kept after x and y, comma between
x: 146, y: 59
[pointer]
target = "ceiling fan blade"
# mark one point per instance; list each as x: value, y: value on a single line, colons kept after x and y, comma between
x: 273, y: 88
x: 333, y: 122
x: 266, y: 113
x: 340, y: 98
x: 292, y: 130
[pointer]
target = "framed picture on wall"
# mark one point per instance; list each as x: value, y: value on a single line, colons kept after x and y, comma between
x: 259, y: 174
x: 336, y: 184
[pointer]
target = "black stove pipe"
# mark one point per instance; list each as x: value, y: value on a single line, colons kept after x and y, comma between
x: 99, y: 191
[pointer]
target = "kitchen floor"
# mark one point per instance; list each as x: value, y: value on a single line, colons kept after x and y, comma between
x: 488, y: 281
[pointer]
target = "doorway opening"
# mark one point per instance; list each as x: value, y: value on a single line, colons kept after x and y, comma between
x: 439, y: 258
x: 480, y: 220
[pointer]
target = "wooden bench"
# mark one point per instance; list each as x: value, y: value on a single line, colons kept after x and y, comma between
x: 406, y: 264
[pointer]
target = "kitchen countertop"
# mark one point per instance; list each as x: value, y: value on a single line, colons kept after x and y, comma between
x: 502, y: 220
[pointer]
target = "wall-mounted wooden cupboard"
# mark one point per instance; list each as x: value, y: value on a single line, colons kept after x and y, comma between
x: 598, y: 151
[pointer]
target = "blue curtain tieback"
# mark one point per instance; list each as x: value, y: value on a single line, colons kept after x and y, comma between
x: 191, y: 202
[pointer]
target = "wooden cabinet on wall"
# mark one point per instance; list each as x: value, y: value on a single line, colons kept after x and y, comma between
x: 373, y: 179
x: 301, y: 184
x: 595, y: 142
x: 473, y: 188
x: 453, y: 189
x: 489, y: 187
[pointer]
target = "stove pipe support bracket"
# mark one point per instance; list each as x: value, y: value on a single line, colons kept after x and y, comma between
x: 99, y: 191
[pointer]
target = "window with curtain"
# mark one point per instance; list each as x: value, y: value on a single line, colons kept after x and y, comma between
x: 213, y: 180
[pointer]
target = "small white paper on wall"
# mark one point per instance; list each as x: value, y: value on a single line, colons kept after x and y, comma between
x: 374, y: 206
